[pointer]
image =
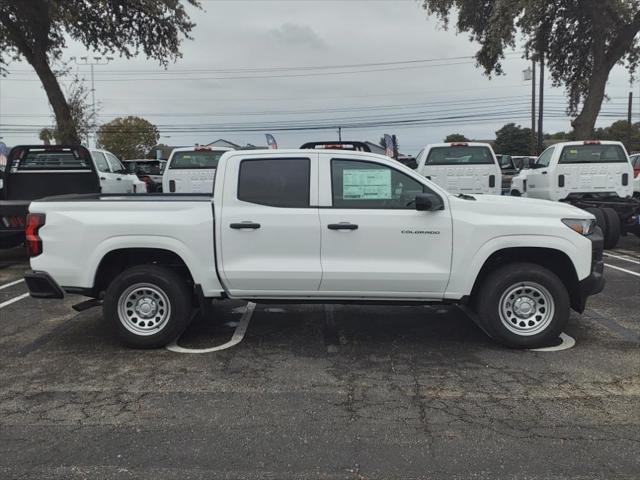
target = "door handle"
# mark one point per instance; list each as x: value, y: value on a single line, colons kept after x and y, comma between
x: 342, y: 226
x: 103, y: 178
x: 544, y: 173
x: 119, y: 179
x: 245, y: 225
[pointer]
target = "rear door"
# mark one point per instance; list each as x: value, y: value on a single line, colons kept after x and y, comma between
x: 374, y: 242
x: 269, y: 226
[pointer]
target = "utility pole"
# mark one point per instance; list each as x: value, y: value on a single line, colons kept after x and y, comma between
x: 340, y: 134
x: 541, y: 109
x: 630, y: 121
x: 96, y: 61
x: 529, y: 75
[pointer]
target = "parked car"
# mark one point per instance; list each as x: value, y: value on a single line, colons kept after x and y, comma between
x: 147, y: 170
x: 37, y: 171
x: 593, y: 175
x: 114, y: 177
x: 465, y: 168
x: 509, y: 170
x: 192, y: 169
x: 317, y: 226
x: 635, y: 163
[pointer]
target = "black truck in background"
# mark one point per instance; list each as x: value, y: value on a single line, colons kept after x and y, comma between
x: 33, y: 172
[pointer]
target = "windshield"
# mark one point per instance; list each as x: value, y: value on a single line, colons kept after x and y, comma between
x: 195, y: 160
x: 460, y: 156
x: 593, y: 154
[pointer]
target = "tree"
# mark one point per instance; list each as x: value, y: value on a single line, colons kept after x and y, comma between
x: 619, y: 131
x: 38, y: 31
x: 46, y: 135
x: 581, y: 41
x: 128, y: 137
x: 456, y: 137
x: 512, y: 139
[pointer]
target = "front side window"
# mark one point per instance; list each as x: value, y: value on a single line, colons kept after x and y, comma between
x: 195, y: 160
x: 361, y: 184
x: 275, y: 182
x: 116, y: 165
x: 593, y: 154
x: 462, y: 155
x: 545, y: 159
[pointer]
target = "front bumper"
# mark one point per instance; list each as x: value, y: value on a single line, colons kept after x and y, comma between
x: 41, y: 285
x: 595, y: 282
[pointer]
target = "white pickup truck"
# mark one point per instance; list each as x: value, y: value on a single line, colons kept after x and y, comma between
x: 296, y: 226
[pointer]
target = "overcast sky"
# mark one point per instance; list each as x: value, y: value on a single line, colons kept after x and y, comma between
x: 202, y: 92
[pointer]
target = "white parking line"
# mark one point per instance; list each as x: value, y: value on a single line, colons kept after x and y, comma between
x: 14, y: 300
x: 567, y: 343
x: 635, y: 274
x: 626, y: 259
x: 7, y: 285
x: 237, y: 337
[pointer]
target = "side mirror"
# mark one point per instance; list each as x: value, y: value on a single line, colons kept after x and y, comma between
x: 429, y: 202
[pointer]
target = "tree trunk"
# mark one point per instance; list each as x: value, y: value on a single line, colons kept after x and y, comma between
x: 584, y: 124
x: 67, y: 133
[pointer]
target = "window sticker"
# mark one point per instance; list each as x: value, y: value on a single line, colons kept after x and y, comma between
x: 374, y: 184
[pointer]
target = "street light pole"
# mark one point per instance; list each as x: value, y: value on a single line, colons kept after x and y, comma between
x: 96, y: 61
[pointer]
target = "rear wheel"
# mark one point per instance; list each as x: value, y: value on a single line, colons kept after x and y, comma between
x: 148, y: 306
x: 523, y: 305
x: 612, y: 234
x: 515, y: 193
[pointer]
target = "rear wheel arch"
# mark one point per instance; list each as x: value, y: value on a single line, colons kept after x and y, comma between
x: 117, y: 261
x: 554, y: 260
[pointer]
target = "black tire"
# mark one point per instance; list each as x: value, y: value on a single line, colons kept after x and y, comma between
x: 614, y: 229
x: 166, y: 288
x: 515, y: 193
x: 600, y: 220
x: 529, y: 279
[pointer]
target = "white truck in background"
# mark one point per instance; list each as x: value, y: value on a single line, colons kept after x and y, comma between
x: 461, y: 168
x: 192, y: 169
x: 596, y: 176
x: 296, y: 226
x: 113, y: 176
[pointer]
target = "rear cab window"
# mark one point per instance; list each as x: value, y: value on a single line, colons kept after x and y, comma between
x: 460, y: 155
x: 196, y: 159
x: 595, y: 153
x: 275, y: 182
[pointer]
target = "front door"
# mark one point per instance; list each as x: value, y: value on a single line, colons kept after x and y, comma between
x: 123, y: 183
x: 374, y: 241
x: 538, y: 179
x: 269, y: 226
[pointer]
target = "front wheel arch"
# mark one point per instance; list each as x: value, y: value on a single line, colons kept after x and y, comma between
x: 554, y: 260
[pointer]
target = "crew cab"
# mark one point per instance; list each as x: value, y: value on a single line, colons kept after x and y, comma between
x: 191, y: 169
x: 36, y: 171
x: 470, y: 168
x: 296, y: 226
x: 593, y: 175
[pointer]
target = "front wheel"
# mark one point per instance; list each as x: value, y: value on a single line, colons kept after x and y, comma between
x: 523, y: 305
x: 148, y: 306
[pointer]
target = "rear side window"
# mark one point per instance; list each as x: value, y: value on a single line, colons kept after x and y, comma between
x: 460, y: 156
x: 593, y: 154
x: 275, y: 182
x: 43, y: 160
x: 195, y: 160
x: 101, y: 162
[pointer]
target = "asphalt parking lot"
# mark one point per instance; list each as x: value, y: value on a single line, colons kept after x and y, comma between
x: 320, y: 392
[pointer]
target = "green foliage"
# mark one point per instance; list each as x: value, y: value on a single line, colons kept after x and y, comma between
x: 128, y: 137
x: 456, y: 137
x: 512, y: 139
x: 619, y: 131
x: 581, y: 41
x: 38, y: 31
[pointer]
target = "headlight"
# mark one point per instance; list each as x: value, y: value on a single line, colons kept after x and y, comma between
x: 583, y: 227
